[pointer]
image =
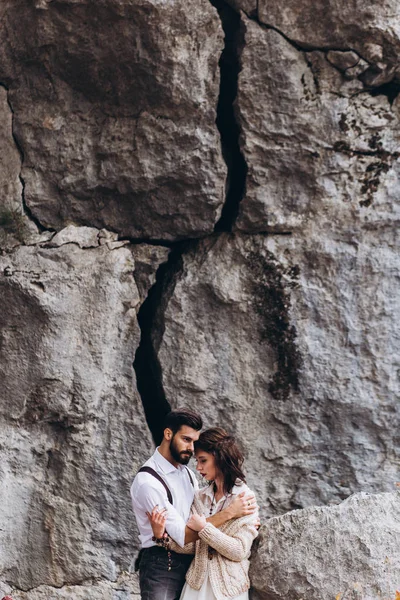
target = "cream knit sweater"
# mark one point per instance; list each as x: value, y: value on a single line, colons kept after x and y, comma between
x: 228, y: 569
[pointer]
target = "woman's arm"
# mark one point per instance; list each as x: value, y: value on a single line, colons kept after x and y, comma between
x: 189, y: 548
x: 243, y: 504
x: 235, y: 547
x: 157, y: 519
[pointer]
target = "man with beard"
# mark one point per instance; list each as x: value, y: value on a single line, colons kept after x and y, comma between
x: 165, y: 482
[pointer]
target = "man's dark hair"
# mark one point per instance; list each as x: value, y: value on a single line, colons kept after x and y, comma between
x: 176, y: 418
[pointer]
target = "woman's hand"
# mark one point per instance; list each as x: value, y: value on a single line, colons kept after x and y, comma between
x: 197, y: 522
x: 157, y: 520
x: 243, y: 505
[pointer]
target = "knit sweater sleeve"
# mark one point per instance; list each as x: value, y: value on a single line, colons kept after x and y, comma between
x: 189, y: 548
x: 236, y: 546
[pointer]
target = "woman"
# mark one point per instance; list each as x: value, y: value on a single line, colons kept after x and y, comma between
x: 221, y: 563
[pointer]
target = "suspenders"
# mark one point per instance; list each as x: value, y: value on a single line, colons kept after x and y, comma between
x: 169, y: 496
x: 190, y: 476
x: 161, y: 480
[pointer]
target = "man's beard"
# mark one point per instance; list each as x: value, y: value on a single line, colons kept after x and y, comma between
x: 180, y: 457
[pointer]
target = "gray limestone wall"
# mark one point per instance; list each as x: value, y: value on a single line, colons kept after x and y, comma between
x: 199, y: 205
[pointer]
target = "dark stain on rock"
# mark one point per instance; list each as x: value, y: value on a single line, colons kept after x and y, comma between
x: 343, y: 123
x: 371, y: 180
x: 374, y: 170
x: 271, y: 301
x: 391, y: 90
x: 308, y: 95
x: 375, y: 142
x: 342, y: 146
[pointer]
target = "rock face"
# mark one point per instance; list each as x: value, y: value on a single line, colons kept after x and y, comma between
x: 281, y: 325
x: 126, y: 587
x: 114, y: 113
x: 346, y: 551
x: 10, y: 165
x: 268, y: 337
x: 14, y: 225
x: 371, y: 29
x: 322, y: 152
x: 73, y: 431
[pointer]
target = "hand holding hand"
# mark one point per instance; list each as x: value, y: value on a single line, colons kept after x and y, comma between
x: 243, y: 505
x: 157, y: 520
x: 197, y: 522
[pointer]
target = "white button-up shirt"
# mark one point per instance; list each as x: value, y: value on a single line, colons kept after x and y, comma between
x: 147, y: 491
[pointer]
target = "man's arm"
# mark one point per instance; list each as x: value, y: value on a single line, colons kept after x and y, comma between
x: 241, y: 506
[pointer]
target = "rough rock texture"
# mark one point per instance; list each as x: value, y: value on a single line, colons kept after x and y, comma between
x: 322, y: 152
x: 10, y: 160
x: 126, y: 587
x: 285, y: 331
x: 372, y: 29
x: 14, y: 225
x: 114, y: 105
x: 72, y: 427
x: 277, y: 339
x: 344, y: 552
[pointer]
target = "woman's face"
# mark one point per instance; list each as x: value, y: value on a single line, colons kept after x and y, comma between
x: 206, y: 465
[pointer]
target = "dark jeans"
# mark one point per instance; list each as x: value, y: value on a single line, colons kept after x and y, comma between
x: 156, y: 582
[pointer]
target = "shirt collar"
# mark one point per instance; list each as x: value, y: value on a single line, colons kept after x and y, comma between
x: 208, y: 491
x: 164, y: 464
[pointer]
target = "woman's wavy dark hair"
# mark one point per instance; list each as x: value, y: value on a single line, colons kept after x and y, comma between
x: 228, y: 457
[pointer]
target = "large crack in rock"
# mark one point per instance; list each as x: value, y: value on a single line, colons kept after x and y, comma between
x: 226, y: 118
x: 151, y: 321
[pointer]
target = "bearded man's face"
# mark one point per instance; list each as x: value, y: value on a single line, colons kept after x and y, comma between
x: 181, y: 444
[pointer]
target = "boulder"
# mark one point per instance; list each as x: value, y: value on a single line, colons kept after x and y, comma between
x: 341, y: 552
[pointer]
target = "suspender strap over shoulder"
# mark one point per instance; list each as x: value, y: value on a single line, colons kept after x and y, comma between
x: 190, y: 476
x: 160, y: 479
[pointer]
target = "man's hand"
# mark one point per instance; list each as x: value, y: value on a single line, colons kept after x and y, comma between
x: 196, y: 522
x: 242, y: 506
x: 157, y: 520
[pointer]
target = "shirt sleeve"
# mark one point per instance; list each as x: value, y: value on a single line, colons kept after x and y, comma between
x: 148, y: 496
